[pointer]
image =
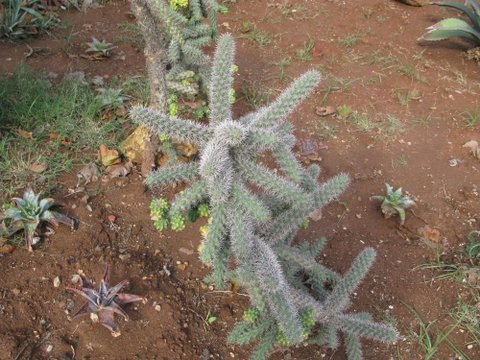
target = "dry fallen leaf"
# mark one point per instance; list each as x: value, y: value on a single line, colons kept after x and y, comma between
x: 182, y: 266
x: 25, y: 134
x: 316, y: 215
x: 107, y: 156
x: 38, y: 167
x: 118, y: 170
x: 186, y: 149
x: 53, y: 136
x: 7, y: 249
x: 89, y: 173
x: 66, y: 142
x: 325, y: 111
x: 474, y: 147
x: 429, y: 234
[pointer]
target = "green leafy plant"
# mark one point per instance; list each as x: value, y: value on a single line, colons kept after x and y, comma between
x: 20, y: 19
x: 110, y: 98
x: 29, y: 212
x: 472, y: 248
x: 453, y: 27
x: 159, y: 213
x: 249, y: 239
x: 394, y: 203
x: 97, y: 46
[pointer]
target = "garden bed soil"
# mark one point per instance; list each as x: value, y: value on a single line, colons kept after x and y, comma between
x: 172, y: 322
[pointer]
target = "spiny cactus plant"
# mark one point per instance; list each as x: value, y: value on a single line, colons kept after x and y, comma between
x: 394, y: 203
x: 29, y: 212
x: 289, y: 290
x: 178, y: 30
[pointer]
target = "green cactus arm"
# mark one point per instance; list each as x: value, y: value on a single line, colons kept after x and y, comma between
x: 196, y: 7
x: 216, y: 235
x: 266, y: 179
x: 173, y: 174
x: 339, y: 298
x: 264, y: 347
x: 194, y: 55
x: 179, y: 87
x: 331, y: 190
x: 309, y: 180
x: 307, y: 263
x: 288, y: 100
x: 353, y: 347
x: 190, y: 197
x: 288, y: 163
x: 326, y: 336
x: 171, y: 20
x: 196, y: 30
x: 250, y: 203
x: 245, y: 332
x: 183, y: 130
x: 355, y: 325
x: 272, y: 282
x: 221, y: 80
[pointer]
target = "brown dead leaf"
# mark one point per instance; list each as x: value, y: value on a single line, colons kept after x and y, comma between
x: 182, y: 266
x: 193, y: 104
x: 66, y: 142
x: 25, y: 134
x: 7, y: 249
x: 38, y: 167
x: 186, y: 149
x: 119, y: 170
x: 429, y: 234
x: 53, y: 136
x: 121, y: 113
x: 89, y: 173
x: 316, y: 215
x: 474, y: 148
x: 325, y: 111
x: 473, y: 276
x: 107, y: 156
x: 97, y: 56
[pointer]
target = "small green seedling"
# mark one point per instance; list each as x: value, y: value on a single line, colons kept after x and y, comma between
x: 101, y: 47
x: 110, y: 98
x: 472, y: 249
x: 394, y: 203
x: 208, y: 320
x: 29, y: 213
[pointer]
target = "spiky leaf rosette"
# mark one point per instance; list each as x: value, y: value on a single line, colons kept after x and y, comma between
x: 249, y: 238
x: 29, y: 212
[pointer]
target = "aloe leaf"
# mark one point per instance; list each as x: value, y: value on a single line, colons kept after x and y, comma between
x: 475, y: 6
x: 474, y: 17
x: 440, y: 34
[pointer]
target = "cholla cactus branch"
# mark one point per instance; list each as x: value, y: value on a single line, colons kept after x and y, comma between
x: 221, y: 81
x: 339, y: 298
x: 249, y: 238
x: 182, y: 130
x: 288, y: 100
x: 173, y: 174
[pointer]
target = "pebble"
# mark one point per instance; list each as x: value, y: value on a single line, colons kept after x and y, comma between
x: 158, y: 307
x: 56, y: 282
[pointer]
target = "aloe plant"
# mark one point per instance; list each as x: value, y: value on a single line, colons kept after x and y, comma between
x: 453, y: 27
x: 29, y: 212
x: 394, y: 203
